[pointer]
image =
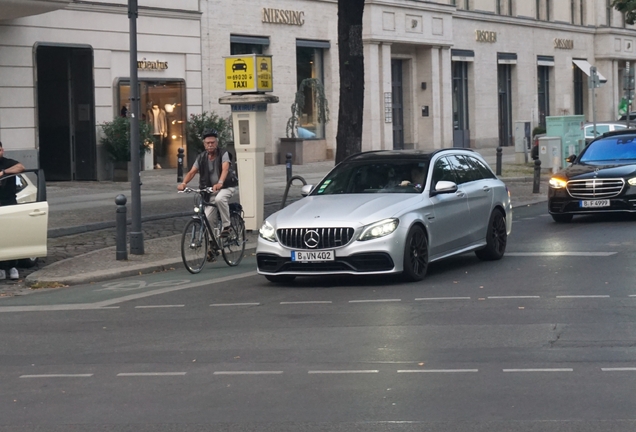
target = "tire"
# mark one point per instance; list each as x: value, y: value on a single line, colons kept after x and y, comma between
x: 27, y: 262
x: 280, y: 278
x: 233, y: 245
x: 496, y: 238
x: 561, y: 217
x: 415, y: 255
x: 194, y: 245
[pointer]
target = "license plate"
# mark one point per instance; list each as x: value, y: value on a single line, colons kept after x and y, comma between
x: 595, y: 203
x: 312, y: 256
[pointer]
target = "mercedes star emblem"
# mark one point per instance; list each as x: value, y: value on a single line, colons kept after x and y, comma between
x: 311, y: 239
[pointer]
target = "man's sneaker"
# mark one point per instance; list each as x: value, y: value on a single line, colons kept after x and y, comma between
x: 211, y: 256
x: 13, y: 274
x: 3, y: 275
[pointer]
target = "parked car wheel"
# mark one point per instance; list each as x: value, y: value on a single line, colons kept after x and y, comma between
x: 27, y: 262
x: 415, y: 255
x: 562, y: 218
x: 280, y: 278
x: 496, y: 238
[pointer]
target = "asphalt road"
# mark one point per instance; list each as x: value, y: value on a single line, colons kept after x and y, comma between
x: 541, y: 340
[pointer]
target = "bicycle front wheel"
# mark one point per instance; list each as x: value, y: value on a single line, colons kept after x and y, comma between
x: 233, y: 244
x: 194, y: 245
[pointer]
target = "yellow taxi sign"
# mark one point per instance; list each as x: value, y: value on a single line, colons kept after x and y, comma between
x: 248, y: 73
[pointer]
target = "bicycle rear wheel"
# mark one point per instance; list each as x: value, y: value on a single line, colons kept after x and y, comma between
x: 233, y: 244
x: 194, y: 245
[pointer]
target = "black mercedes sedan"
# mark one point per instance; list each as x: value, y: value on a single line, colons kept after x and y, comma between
x: 601, y: 179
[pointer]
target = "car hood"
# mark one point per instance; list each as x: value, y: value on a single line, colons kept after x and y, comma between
x: 583, y: 172
x: 350, y: 210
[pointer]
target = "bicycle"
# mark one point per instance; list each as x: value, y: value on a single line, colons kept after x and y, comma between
x: 201, y: 242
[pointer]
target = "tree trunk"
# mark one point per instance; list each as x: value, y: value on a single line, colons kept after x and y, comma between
x: 351, y: 59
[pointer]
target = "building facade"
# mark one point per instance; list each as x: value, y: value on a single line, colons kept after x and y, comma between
x: 65, y: 69
x: 437, y: 73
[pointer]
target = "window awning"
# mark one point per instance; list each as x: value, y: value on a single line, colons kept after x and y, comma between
x: 585, y: 68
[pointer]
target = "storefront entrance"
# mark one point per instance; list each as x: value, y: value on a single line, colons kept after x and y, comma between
x: 505, y: 104
x: 66, y: 112
x: 461, y: 130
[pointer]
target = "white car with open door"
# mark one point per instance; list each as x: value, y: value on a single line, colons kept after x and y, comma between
x: 25, y: 225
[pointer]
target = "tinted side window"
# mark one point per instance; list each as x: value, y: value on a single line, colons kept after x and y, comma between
x: 465, y: 172
x: 442, y: 170
x: 483, y: 170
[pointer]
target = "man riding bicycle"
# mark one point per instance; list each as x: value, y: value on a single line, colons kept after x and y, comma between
x: 213, y: 167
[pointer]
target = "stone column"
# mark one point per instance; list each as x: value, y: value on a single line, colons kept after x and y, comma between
x: 447, y: 97
x: 435, y: 110
x: 387, y: 128
x: 373, y: 111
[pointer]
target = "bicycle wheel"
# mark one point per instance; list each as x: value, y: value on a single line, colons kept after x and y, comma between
x: 194, y: 245
x: 233, y: 244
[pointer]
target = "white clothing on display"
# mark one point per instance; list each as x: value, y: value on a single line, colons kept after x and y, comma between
x: 157, y: 118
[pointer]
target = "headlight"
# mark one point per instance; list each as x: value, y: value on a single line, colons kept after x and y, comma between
x: 632, y: 181
x: 267, y: 232
x: 379, y: 229
x: 558, y: 183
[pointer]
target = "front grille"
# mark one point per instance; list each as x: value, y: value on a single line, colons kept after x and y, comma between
x: 595, y: 188
x: 328, y: 238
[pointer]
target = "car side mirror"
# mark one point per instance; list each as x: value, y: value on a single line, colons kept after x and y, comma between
x: 306, y: 190
x: 444, y: 187
x: 570, y: 159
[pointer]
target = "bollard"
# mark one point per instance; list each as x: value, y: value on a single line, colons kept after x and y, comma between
x: 537, y: 176
x: 499, y: 150
x: 121, y: 252
x: 288, y: 165
x: 180, y: 165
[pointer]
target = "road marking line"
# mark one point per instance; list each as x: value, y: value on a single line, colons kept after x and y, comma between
x: 103, y: 304
x: 626, y: 369
x: 342, y: 371
x: 57, y: 376
x: 235, y: 304
x: 584, y: 254
x: 437, y: 370
x: 131, y: 374
x: 540, y: 370
x: 442, y: 298
x: 158, y: 306
x: 582, y: 296
x: 375, y: 301
x: 631, y: 295
x: 306, y: 302
x: 514, y: 297
x: 247, y: 373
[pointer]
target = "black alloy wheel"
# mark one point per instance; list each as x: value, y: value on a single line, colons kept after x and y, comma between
x: 415, y: 255
x: 496, y: 238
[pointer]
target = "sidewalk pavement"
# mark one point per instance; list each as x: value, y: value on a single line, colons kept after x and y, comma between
x: 81, y: 245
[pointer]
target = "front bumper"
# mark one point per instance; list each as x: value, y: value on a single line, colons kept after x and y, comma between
x: 560, y: 202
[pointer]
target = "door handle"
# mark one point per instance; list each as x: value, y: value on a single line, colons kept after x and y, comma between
x: 429, y: 216
x: 460, y: 194
x: 487, y: 188
x: 37, y: 213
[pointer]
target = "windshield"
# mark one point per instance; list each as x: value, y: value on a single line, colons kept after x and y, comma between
x: 611, y: 149
x: 396, y: 176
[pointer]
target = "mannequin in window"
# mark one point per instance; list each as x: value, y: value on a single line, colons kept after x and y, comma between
x: 159, y: 127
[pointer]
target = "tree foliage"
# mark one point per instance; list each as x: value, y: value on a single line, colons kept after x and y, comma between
x: 351, y: 61
x: 200, y: 122
x: 628, y: 8
x: 116, y: 139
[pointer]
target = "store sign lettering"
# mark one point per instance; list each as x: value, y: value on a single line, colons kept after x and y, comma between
x: 151, y: 65
x: 485, y: 36
x: 564, y: 43
x: 282, y: 16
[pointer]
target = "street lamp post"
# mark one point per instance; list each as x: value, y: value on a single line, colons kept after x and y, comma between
x: 136, y: 235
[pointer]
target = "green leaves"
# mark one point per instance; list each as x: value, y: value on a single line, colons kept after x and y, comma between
x: 200, y: 122
x: 628, y: 7
x: 116, y: 139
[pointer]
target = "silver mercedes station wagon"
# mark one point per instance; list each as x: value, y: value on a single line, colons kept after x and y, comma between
x: 385, y: 212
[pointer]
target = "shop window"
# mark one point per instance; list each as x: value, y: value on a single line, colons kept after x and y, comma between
x: 163, y: 105
x: 309, y: 64
x: 248, y: 44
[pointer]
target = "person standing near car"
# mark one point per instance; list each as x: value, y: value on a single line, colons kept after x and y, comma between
x: 213, y: 167
x: 8, y: 167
